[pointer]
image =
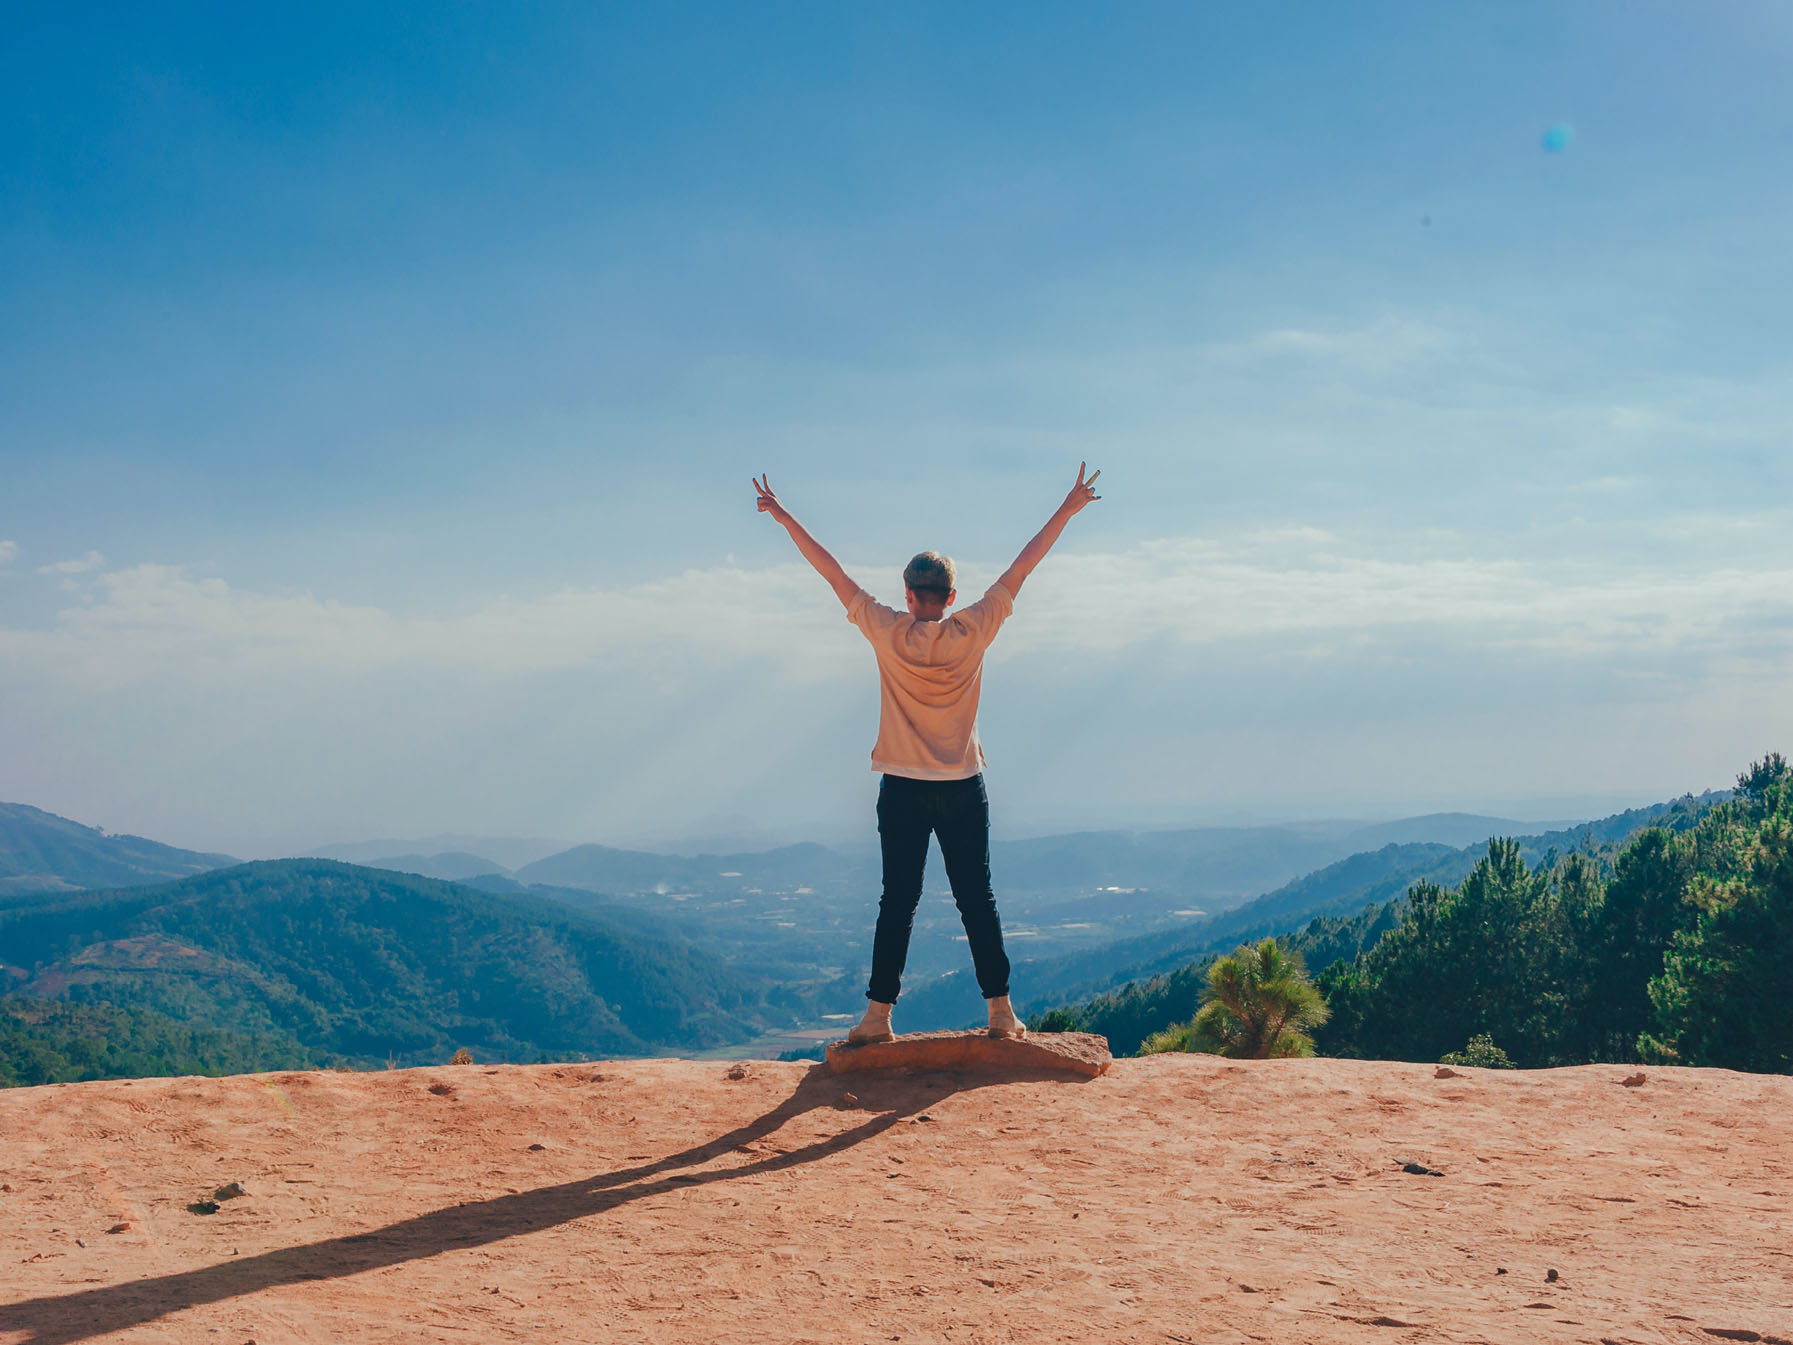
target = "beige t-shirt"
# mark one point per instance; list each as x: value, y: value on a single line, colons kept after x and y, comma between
x: 930, y: 673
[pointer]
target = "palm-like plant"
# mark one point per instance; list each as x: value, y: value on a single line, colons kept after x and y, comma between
x: 1258, y: 1005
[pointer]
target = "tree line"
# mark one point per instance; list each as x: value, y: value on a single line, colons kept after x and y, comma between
x: 50, y: 1041
x: 1672, y: 948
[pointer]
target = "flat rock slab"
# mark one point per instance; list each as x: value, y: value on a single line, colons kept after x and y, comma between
x: 1064, y: 1052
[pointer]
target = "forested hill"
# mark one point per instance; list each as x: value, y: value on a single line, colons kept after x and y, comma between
x: 53, y: 1041
x: 41, y: 852
x: 1668, y: 944
x: 1352, y: 884
x: 1672, y: 948
x: 1341, y: 889
x: 362, y: 965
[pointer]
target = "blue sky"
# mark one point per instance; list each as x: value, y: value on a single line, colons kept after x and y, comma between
x: 379, y: 388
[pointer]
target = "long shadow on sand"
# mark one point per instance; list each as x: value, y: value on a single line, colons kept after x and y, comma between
x: 96, y: 1312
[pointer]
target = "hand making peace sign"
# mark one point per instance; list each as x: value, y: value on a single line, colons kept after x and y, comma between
x: 769, y: 503
x: 1083, y: 492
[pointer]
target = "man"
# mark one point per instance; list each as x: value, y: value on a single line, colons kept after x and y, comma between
x: 930, y: 667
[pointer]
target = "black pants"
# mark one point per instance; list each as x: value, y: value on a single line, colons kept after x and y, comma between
x: 958, y: 812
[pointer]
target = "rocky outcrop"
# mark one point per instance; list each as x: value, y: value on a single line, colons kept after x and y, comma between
x: 1080, y: 1053
x: 1174, y: 1198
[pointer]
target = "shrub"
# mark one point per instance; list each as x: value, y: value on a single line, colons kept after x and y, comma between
x: 1481, y: 1053
x: 1258, y: 1005
x: 1054, y: 1020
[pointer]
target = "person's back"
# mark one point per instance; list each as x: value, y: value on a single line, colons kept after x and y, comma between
x: 930, y: 673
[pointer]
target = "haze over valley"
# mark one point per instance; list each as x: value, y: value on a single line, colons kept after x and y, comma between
x: 594, y: 950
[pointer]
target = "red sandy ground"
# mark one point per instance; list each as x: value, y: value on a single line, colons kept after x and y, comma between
x: 1178, y: 1198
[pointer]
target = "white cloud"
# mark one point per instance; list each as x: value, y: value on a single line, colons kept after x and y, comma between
x: 1279, y: 583
x: 93, y: 560
x: 9, y: 551
x: 1200, y: 592
x: 151, y: 621
x: 1169, y: 674
x: 1385, y: 345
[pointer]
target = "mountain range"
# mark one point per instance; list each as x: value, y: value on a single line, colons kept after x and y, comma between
x: 1218, y: 866
x: 359, y: 965
x: 41, y: 852
x: 597, y: 950
x: 497, y: 853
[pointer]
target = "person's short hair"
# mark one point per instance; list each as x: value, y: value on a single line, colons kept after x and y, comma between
x: 931, y: 574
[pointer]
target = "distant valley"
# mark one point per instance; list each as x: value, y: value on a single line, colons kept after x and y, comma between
x: 411, y: 954
x: 806, y: 910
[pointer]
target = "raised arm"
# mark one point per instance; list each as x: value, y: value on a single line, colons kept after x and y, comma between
x: 1035, y: 551
x: 813, y: 551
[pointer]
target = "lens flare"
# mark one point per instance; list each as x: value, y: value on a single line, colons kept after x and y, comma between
x: 1557, y: 138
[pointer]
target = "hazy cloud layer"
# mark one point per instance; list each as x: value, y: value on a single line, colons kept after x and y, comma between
x: 158, y: 621
x: 744, y: 694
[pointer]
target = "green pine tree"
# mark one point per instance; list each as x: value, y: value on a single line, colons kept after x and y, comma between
x: 1722, y: 997
x: 1258, y: 1005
